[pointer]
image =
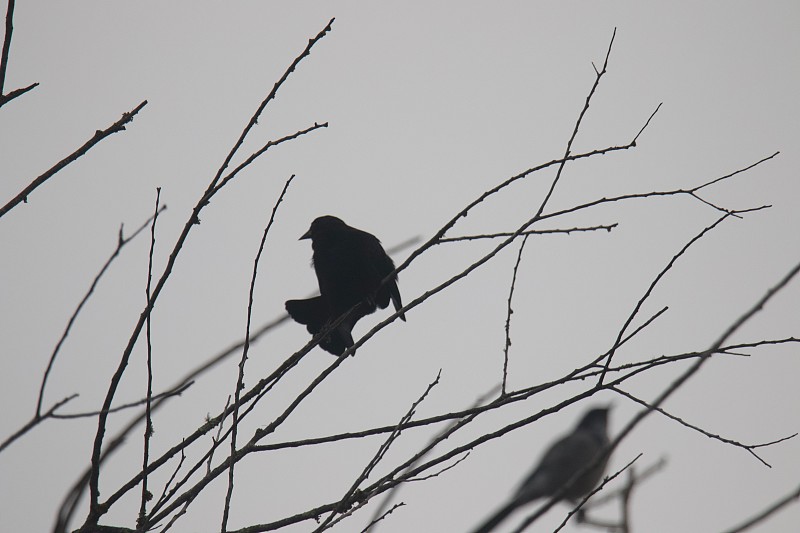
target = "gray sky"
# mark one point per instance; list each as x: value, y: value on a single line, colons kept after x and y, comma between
x: 428, y: 106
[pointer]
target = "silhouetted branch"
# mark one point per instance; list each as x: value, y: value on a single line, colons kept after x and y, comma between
x: 99, y: 135
x: 121, y: 241
x: 148, y: 424
x: 580, y: 505
x: 232, y: 174
x: 177, y: 391
x: 635, y: 479
x: 607, y: 227
x: 6, y: 43
x: 254, y: 119
x: 652, y: 286
x: 246, y: 348
x: 509, y: 312
x: 382, y: 516
x: 33, y: 422
x: 6, y: 98
x: 393, y: 490
x: 379, y: 455
x: 748, y: 447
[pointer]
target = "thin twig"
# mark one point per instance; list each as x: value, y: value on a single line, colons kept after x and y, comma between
x: 390, y: 494
x: 509, y: 312
x: 6, y: 98
x: 580, y: 505
x: 380, y: 454
x: 382, y: 516
x: 216, y: 440
x: 254, y: 119
x: 245, y: 350
x: 255, y: 155
x: 747, y: 447
x: 607, y: 227
x: 121, y: 241
x: 172, y: 476
x: 607, y: 496
x: 98, y: 136
x: 651, y: 287
x: 148, y: 425
x: 176, y: 391
x: 33, y: 422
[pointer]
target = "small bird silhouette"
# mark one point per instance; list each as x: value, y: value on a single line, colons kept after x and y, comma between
x: 565, y: 459
x: 350, y: 265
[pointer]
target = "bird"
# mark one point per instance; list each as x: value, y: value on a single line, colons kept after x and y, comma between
x: 351, y: 266
x: 565, y: 459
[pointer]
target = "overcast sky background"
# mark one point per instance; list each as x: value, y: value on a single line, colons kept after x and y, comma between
x: 428, y: 105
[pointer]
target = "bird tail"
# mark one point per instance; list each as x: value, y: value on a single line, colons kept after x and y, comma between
x: 395, y: 295
x: 315, y: 315
x: 501, y: 514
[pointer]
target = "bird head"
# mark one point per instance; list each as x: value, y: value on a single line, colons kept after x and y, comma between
x: 322, y: 225
x: 596, y: 419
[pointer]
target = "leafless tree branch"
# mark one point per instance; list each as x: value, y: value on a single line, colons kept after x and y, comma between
x: 246, y: 348
x: 99, y: 135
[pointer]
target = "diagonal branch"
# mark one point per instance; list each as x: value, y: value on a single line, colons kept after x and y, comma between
x: 748, y: 447
x: 6, y: 98
x: 121, y: 241
x: 99, y: 135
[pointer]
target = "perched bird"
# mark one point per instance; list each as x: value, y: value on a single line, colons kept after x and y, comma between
x: 566, y: 458
x: 351, y: 265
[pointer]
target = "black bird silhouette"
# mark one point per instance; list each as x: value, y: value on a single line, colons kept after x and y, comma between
x: 350, y: 266
x: 566, y: 458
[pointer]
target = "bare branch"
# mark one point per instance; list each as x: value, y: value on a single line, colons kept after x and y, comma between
x: 148, y: 425
x: 254, y: 119
x: 607, y: 227
x: 245, y: 350
x: 637, y: 478
x: 382, y: 516
x: 509, y: 312
x: 653, y: 114
x: 580, y: 505
x: 379, y: 455
x: 176, y: 391
x: 96, y: 510
x: 748, y: 447
x: 37, y: 418
x: 734, y: 173
x: 652, y: 286
x: 121, y: 241
x: 6, y: 98
x: 255, y: 155
x: 99, y: 135
x: 393, y: 490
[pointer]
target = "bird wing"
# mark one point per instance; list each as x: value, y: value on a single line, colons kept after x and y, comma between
x: 381, y: 266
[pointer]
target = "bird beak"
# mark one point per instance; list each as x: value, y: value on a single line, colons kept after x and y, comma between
x: 306, y: 235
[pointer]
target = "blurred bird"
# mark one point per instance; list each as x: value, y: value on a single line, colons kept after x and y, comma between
x: 350, y: 266
x: 561, y: 463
